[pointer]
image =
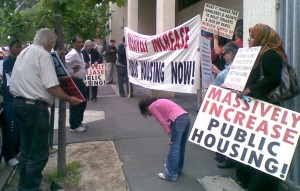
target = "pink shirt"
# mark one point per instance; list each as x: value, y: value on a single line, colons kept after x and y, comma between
x: 165, y: 111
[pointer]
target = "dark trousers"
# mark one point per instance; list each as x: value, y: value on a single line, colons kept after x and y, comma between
x: 94, y: 91
x: 255, y: 180
x: 123, y: 77
x: 34, y: 133
x: 77, y: 111
x: 11, y: 142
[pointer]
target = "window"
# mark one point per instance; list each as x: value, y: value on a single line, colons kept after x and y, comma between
x: 186, y: 3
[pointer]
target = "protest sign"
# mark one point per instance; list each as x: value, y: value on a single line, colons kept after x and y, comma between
x: 241, y: 67
x: 65, y: 80
x: 205, y: 62
x: 256, y: 133
x: 219, y: 19
x: 166, y: 61
x: 95, y: 75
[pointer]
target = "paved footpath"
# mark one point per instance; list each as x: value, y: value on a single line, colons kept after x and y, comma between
x: 142, y: 144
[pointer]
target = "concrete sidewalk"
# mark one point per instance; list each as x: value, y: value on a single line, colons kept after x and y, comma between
x: 142, y: 145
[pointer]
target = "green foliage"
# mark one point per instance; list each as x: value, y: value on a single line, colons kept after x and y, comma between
x: 71, y: 177
x: 85, y: 17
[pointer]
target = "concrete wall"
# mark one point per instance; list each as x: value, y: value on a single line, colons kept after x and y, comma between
x: 119, y: 15
x: 197, y: 8
x: 253, y: 14
x: 147, y: 17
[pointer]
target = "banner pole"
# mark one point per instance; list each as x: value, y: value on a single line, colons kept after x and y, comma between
x: 199, y: 91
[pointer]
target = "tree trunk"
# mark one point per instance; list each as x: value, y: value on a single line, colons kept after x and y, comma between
x: 61, y: 155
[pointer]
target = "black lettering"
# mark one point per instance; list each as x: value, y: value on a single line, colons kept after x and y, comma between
x: 220, y: 144
x: 210, y: 140
x: 270, y: 148
x: 269, y: 165
x: 197, y: 135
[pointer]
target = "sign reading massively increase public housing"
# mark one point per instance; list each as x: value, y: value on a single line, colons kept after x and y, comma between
x: 255, y: 133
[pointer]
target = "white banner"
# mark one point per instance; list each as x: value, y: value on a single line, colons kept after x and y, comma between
x: 165, y: 61
x: 256, y: 133
x: 220, y: 19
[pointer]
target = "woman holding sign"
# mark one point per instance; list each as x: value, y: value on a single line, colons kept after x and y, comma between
x: 264, y: 77
x: 176, y: 123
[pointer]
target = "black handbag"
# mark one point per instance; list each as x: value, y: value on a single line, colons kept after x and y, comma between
x: 289, y: 86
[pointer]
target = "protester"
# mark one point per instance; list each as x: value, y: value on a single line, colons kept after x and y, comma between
x: 238, y: 36
x: 122, y: 72
x: 11, y: 138
x: 176, y: 123
x: 76, y: 68
x: 229, y: 51
x: 110, y: 57
x: 35, y: 85
x: 218, y: 63
x: 91, y: 57
x: 269, y: 65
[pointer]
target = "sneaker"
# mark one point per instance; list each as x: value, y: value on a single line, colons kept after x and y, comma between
x: 84, y: 125
x: 78, y: 129
x: 94, y: 99
x: 12, y: 162
x: 161, y: 176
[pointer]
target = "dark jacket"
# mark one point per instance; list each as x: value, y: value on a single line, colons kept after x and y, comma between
x: 111, y: 54
x: 122, y: 54
x: 95, y: 56
x: 271, y: 67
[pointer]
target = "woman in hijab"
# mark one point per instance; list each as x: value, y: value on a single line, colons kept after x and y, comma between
x: 264, y: 77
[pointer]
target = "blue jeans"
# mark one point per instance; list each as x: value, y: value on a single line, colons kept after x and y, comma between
x: 179, y: 135
x: 34, y: 128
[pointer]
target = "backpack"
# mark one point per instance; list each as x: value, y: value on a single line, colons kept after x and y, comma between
x: 288, y: 87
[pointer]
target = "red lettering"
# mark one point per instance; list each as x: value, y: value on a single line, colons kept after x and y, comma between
x: 227, y: 99
x: 239, y: 117
x: 216, y: 110
x: 283, y: 119
x: 187, y: 37
x: 171, y: 40
x: 275, y: 114
x: 295, y: 119
x: 166, y: 40
x: 288, y: 134
x: 181, y: 31
x: 263, y: 110
x: 215, y: 95
x: 227, y: 113
x: 276, y: 132
x: 250, y: 122
x: 177, y: 39
x: 263, y: 126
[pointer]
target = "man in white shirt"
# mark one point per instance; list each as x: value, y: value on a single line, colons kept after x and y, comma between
x: 35, y: 85
x: 77, y: 69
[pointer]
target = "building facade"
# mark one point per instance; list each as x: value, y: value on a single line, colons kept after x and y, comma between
x: 151, y: 17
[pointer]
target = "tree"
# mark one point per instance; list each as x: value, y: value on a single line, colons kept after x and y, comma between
x: 21, y: 19
x: 56, y: 14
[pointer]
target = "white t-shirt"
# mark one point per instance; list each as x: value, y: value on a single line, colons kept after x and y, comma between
x: 33, y: 74
x: 74, y: 58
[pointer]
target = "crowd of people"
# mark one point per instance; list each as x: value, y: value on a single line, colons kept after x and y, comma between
x: 28, y: 89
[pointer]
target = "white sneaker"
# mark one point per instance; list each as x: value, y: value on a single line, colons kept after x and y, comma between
x: 161, y: 176
x: 84, y: 125
x: 12, y: 162
x: 78, y: 129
